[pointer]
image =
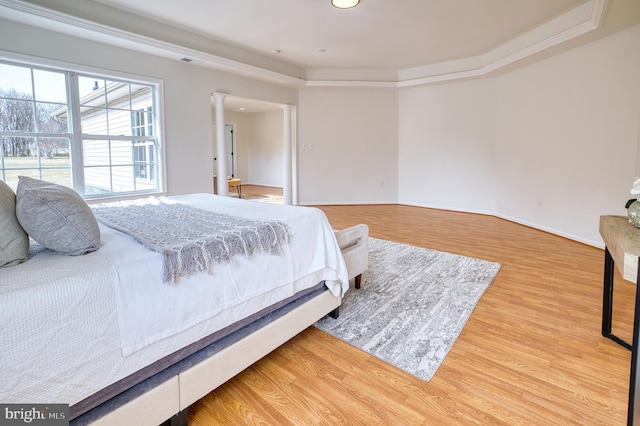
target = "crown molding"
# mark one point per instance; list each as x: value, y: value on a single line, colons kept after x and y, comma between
x: 567, y: 27
x: 573, y: 24
x: 39, y: 16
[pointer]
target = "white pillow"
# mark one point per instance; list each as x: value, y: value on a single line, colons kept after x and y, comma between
x: 56, y: 217
x: 14, y: 242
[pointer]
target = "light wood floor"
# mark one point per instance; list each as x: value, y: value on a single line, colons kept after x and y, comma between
x: 531, y: 354
x: 265, y: 194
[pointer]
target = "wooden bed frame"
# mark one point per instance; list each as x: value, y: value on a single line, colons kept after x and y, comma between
x: 168, y: 402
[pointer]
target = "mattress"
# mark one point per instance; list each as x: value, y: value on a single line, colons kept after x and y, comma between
x: 75, y: 325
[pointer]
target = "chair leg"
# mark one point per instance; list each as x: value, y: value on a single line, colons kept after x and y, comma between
x: 357, y: 280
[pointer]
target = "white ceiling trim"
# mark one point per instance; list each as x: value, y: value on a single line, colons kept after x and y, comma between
x: 573, y: 24
x: 577, y: 22
x: 32, y: 14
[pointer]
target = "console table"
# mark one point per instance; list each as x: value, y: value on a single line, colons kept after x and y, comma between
x: 622, y: 249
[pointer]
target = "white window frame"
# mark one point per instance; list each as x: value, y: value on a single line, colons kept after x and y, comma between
x: 75, y: 135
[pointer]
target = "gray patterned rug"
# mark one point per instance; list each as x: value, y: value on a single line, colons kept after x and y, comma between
x: 412, y: 305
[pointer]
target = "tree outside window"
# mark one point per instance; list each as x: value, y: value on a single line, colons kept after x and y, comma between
x: 92, y: 133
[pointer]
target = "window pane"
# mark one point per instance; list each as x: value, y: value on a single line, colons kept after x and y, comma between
x: 142, y: 122
x: 96, y: 153
x: 15, y: 79
x: 61, y: 177
x: 50, y: 86
x: 123, y: 179
x: 16, y: 116
x: 119, y: 122
x: 121, y: 153
x: 140, y: 96
x: 11, y: 178
x: 54, y: 152
x: 97, y: 180
x: 94, y: 121
x: 144, y: 165
x: 91, y: 91
x: 51, y: 118
x: 16, y: 151
x: 118, y: 95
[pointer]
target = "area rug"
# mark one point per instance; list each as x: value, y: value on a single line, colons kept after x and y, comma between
x: 412, y: 306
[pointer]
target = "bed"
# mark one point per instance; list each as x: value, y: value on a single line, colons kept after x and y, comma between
x: 107, y: 334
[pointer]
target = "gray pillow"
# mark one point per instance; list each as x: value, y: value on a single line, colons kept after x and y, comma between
x: 56, y: 217
x: 14, y: 242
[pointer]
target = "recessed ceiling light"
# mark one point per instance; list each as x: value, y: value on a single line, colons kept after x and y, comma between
x: 322, y: 50
x: 345, y: 4
x: 277, y: 51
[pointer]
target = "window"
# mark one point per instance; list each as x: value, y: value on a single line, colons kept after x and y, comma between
x: 143, y: 152
x: 93, y: 133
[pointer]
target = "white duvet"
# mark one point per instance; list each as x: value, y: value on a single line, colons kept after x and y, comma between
x: 72, y: 325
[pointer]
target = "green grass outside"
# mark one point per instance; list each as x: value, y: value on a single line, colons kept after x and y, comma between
x: 56, y: 170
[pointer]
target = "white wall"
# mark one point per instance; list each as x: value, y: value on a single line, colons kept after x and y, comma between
x: 264, y: 136
x: 568, y: 135
x: 552, y: 145
x: 347, y: 146
x: 187, y: 90
x: 259, y: 150
x: 446, y: 146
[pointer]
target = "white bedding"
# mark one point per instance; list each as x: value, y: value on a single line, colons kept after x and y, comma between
x: 67, y: 321
x: 149, y: 311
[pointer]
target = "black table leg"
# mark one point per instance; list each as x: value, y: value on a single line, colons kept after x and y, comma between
x: 607, y: 301
x: 634, y: 409
x: 607, y: 298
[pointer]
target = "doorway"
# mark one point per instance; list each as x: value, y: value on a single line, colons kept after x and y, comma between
x: 256, y: 154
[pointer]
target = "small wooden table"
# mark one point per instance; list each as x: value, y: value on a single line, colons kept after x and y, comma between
x: 237, y: 183
x: 622, y: 249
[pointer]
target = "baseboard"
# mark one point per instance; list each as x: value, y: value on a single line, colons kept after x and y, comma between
x: 346, y: 203
x: 597, y: 244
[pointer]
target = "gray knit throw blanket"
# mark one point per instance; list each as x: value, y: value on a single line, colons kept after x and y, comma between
x: 191, y: 239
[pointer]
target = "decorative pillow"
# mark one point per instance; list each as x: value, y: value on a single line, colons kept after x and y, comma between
x: 14, y: 242
x: 56, y: 216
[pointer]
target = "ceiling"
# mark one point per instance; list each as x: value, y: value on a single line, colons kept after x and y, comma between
x: 247, y: 106
x: 309, y: 43
x: 378, y: 34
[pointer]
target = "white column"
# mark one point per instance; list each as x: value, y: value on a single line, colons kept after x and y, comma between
x: 294, y: 154
x: 221, y: 143
x: 287, y: 181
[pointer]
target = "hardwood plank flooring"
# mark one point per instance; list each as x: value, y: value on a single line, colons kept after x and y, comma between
x: 532, y: 352
x: 265, y: 194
